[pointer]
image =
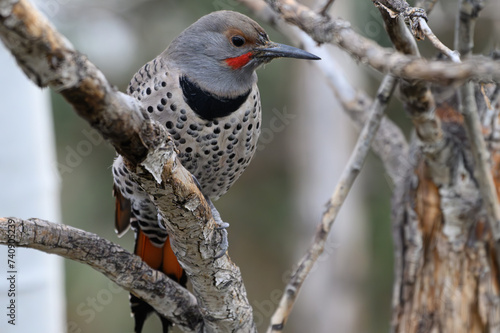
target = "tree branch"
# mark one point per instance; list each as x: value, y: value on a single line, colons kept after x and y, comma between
x: 339, y: 195
x: 48, y: 59
x: 426, y: 30
x: 416, y: 95
x: 125, y: 269
x: 393, y: 10
x: 217, y: 283
x: 339, y: 32
x: 325, y: 7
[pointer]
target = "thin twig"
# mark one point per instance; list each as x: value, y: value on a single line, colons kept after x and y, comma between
x: 452, y: 54
x: 324, y: 9
x: 467, y: 14
x: 481, y: 156
x: 120, y: 266
x: 345, y: 183
x: 418, y: 22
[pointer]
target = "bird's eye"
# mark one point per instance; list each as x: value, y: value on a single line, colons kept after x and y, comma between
x: 237, y: 41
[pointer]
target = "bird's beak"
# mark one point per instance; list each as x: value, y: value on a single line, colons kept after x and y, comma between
x: 273, y: 50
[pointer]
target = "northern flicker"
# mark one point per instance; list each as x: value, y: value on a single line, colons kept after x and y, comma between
x: 203, y: 89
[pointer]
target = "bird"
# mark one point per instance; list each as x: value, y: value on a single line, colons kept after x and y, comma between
x: 203, y: 89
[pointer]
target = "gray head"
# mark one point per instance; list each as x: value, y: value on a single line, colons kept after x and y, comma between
x: 221, y: 51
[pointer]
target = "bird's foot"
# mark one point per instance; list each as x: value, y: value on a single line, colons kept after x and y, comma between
x: 220, y: 225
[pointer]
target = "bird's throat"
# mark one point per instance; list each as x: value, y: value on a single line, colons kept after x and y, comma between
x: 206, y: 105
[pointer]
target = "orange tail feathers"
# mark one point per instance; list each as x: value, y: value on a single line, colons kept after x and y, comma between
x: 160, y: 258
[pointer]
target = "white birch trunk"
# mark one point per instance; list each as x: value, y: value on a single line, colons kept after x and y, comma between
x: 27, y: 157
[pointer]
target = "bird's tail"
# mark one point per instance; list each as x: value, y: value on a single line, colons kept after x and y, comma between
x: 159, y: 258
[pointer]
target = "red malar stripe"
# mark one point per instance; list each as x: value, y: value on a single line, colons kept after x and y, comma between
x: 240, y: 61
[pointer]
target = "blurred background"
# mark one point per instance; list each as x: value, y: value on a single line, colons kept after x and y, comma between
x: 274, y: 207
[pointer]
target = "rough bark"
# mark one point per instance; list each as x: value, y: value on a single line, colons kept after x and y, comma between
x: 125, y: 269
x: 448, y: 276
x: 449, y: 281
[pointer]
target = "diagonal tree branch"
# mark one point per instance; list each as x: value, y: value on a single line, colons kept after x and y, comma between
x: 333, y: 206
x: 120, y: 266
x: 388, y: 143
x: 48, y: 59
x: 217, y: 283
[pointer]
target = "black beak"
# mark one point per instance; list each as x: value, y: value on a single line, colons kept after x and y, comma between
x: 274, y: 50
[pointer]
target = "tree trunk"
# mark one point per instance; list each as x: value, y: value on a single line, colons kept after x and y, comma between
x: 446, y: 276
x: 30, y: 188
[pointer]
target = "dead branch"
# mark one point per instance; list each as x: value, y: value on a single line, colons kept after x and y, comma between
x: 120, y: 266
x: 48, y: 59
x: 426, y: 30
x: 324, y: 8
x: 394, y: 10
x: 339, y: 32
x: 217, y: 283
x: 339, y: 195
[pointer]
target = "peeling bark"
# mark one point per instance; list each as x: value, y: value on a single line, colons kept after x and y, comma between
x: 449, y: 281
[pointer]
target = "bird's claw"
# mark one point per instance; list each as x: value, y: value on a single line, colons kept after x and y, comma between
x: 220, y: 225
x: 224, y: 244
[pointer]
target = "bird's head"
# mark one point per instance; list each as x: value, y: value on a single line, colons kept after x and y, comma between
x: 222, y: 50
